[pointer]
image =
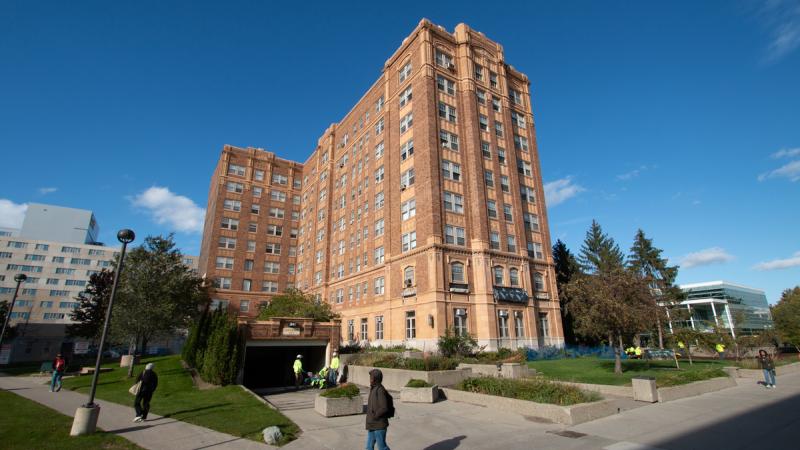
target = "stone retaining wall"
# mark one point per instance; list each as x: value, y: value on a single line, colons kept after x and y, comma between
x: 605, y: 389
x: 759, y: 374
x: 667, y: 394
x: 568, y: 415
x: 396, y: 379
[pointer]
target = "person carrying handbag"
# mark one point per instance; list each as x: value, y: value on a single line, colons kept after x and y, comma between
x: 147, y: 382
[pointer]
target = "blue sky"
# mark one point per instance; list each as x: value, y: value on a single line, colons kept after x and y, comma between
x: 677, y: 117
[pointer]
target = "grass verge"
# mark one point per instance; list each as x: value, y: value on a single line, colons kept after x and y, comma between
x: 534, y: 390
x: 601, y: 371
x: 227, y: 409
x: 33, y: 426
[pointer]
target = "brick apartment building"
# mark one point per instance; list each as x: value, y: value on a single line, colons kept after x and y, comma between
x: 421, y: 210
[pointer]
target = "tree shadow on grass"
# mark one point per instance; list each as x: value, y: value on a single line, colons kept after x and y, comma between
x: 194, y: 410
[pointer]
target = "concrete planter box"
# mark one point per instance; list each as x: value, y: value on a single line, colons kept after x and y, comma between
x: 506, y: 370
x: 567, y: 415
x: 396, y: 379
x: 125, y: 360
x: 668, y: 394
x: 644, y: 389
x: 419, y: 394
x: 334, y: 407
x: 605, y: 389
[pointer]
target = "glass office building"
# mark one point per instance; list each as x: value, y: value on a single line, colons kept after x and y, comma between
x: 739, y: 308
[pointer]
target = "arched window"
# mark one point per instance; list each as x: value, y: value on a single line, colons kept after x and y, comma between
x: 457, y: 272
x: 408, y: 276
x: 513, y: 276
x: 498, y: 275
x: 538, y: 282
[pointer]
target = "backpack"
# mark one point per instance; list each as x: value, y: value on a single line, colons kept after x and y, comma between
x: 389, y: 405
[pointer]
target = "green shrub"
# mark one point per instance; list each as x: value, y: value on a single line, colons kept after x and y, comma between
x: 414, y: 383
x: 454, y: 344
x: 221, y: 356
x: 430, y: 363
x: 689, y: 376
x: 502, y: 355
x: 535, y: 390
x: 345, y: 390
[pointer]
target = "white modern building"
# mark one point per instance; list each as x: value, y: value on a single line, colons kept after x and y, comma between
x: 720, y: 303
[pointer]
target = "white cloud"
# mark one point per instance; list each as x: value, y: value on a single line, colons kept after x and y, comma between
x: 47, y: 190
x: 166, y: 207
x: 561, y: 190
x: 776, y: 264
x: 787, y: 153
x: 782, y: 19
x: 705, y: 257
x: 632, y: 174
x: 12, y: 214
x: 790, y: 170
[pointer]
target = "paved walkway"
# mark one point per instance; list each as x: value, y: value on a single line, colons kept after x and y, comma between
x: 157, y: 433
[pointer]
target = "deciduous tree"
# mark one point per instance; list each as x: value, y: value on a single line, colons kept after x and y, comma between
x: 90, y: 314
x: 294, y: 303
x: 786, y: 315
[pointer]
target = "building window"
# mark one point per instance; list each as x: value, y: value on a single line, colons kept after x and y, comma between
x: 483, y: 122
x: 454, y: 235
x: 379, y: 150
x: 247, y: 285
x: 279, y: 179
x: 451, y: 170
x: 448, y: 140
x: 252, y: 227
x: 379, y: 174
x: 407, y: 149
x: 411, y: 325
x: 364, y: 336
x: 478, y: 72
x: 43, y: 247
x: 496, y: 104
x: 273, y: 249
x: 497, y: 273
x: 520, y: 143
x: 255, y: 209
x: 515, y: 96
x: 457, y: 272
x: 518, y: 119
x: 244, y: 306
x: 444, y: 60
x: 379, y: 286
x: 408, y: 241
x: 498, y: 128
x: 226, y: 242
x: 272, y: 267
x: 447, y: 112
x: 407, y: 178
x: 481, y: 96
x: 379, y: 227
x: 453, y: 202
x: 445, y: 85
x: 513, y: 276
x: 223, y: 283
x: 501, y: 156
x: 269, y: 286
x: 504, y: 183
x: 405, y: 96
x: 408, y: 209
x: 511, y: 243
x: 486, y: 150
x: 502, y: 322
x: 493, y: 80
x: 237, y: 170
x: 277, y: 213
x: 406, y: 122
x: 258, y: 175
x: 524, y: 168
x: 405, y: 72
x: 519, y: 324
x: 378, y: 328
x: 535, y: 250
x: 527, y: 194
x: 538, y: 282
x: 488, y: 178
x: 460, y: 321
x: 229, y: 224
x: 408, y: 276
x: 379, y: 126
x: 248, y: 265
x: 231, y: 186
x: 232, y: 205
x: 379, y: 200
x: 224, y: 262
x: 494, y: 240
x: 278, y: 196
x: 544, y: 325
x: 507, y: 214
x: 379, y: 255
x: 251, y: 246
x: 351, y: 330
x: 531, y: 222
x: 491, y: 207
x: 274, y: 230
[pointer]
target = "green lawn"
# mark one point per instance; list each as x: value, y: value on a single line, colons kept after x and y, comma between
x: 601, y: 371
x: 226, y: 409
x: 33, y: 426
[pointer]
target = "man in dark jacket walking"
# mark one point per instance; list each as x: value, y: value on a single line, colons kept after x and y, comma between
x: 149, y: 384
x: 379, y: 408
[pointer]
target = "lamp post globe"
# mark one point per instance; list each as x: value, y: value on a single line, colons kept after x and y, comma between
x: 126, y: 236
x: 19, y: 278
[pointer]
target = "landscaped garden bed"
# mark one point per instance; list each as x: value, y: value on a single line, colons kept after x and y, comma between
x: 419, y: 391
x: 534, y: 397
x: 344, y: 400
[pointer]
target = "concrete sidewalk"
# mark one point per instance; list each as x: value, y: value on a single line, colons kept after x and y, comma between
x: 157, y: 433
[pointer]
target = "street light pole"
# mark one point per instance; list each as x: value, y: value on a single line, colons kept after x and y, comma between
x: 86, y: 416
x: 19, y: 278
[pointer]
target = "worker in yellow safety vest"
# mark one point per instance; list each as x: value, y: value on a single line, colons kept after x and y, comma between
x: 333, y: 373
x: 298, y: 372
x: 682, y: 348
x: 720, y: 351
x: 638, y: 352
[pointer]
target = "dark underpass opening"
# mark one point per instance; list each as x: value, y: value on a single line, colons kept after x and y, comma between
x: 271, y: 366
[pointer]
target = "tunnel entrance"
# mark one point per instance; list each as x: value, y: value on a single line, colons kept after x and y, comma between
x: 269, y: 364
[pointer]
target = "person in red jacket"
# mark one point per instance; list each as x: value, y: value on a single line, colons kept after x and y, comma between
x: 59, y: 366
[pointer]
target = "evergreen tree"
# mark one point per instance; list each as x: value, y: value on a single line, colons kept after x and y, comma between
x: 599, y: 253
x: 197, y: 340
x: 90, y: 314
x: 566, y: 266
x: 222, y: 353
x: 646, y: 262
